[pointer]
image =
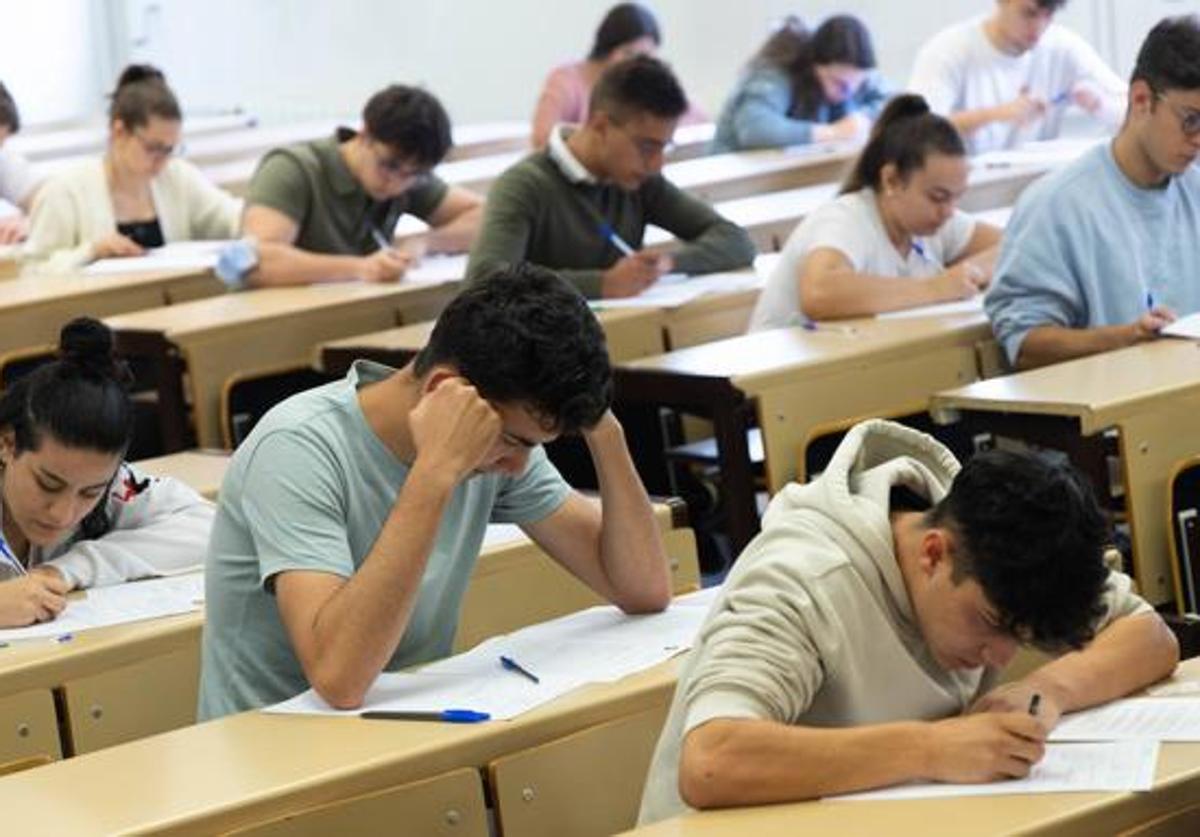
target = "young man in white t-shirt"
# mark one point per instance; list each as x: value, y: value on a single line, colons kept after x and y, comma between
x: 1010, y: 77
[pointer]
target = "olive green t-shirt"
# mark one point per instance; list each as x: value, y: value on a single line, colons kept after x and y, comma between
x: 310, y: 183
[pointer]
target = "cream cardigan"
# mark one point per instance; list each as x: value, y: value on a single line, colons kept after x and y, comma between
x: 74, y: 208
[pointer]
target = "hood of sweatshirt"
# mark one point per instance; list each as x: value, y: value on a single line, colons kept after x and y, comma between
x: 849, y: 501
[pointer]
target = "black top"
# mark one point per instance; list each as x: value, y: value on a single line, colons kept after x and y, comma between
x: 146, y: 233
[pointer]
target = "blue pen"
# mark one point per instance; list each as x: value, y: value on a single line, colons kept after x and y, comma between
x: 1062, y: 98
x: 1149, y: 300
x: 64, y: 638
x: 512, y: 665
x: 615, y: 240
x: 450, y: 716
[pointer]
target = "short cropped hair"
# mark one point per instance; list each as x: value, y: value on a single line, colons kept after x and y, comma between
x: 1030, y: 531
x: 638, y: 85
x: 522, y: 335
x: 1051, y: 6
x: 411, y: 121
x: 1169, y: 58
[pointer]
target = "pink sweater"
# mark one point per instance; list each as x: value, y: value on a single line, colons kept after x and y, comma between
x: 565, y: 99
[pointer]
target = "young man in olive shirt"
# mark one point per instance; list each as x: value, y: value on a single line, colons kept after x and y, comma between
x: 558, y: 207
x: 326, y: 210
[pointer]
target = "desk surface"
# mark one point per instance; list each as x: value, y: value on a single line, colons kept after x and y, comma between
x: 1177, y: 784
x: 1097, y: 390
x: 203, y: 470
x: 766, y: 358
x: 31, y: 291
x: 90, y: 139
x: 234, y: 309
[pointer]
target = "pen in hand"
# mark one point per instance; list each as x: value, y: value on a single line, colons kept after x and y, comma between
x: 1034, y: 702
x: 615, y: 240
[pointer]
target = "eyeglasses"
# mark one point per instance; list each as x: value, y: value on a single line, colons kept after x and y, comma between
x: 1189, y: 118
x: 396, y: 167
x: 155, y: 148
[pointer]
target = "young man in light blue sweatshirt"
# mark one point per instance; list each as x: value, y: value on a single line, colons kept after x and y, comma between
x: 1105, y: 252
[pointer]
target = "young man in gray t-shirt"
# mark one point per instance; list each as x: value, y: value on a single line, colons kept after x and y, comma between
x: 352, y: 515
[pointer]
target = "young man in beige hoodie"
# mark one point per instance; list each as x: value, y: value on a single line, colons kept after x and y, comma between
x: 857, y: 639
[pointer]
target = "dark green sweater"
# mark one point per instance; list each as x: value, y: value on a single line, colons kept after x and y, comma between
x: 535, y: 214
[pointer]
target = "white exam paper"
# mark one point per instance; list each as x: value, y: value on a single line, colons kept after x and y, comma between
x: 1159, y: 719
x: 1066, y: 768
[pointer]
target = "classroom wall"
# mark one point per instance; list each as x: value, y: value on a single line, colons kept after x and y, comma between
x: 54, y: 55
x: 292, y: 59
x: 286, y: 59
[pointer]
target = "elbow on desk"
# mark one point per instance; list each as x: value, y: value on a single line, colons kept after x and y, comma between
x: 651, y: 601
x: 337, y: 689
x: 707, y: 769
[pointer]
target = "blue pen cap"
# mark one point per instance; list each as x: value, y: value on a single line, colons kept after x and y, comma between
x: 464, y: 716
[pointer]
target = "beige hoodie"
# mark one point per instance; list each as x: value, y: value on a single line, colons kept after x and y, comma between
x: 814, y: 626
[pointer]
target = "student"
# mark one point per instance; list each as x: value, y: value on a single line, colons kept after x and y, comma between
x: 351, y: 517
x: 857, y: 639
x: 1105, y: 252
x: 804, y: 87
x: 1011, y: 76
x: 627, y: 30
x: 136, y: 196
x: 74, y: 514
x: 894, y: 238
x: 326, y: 210
x: 18, y: 182
x: 581, y: 207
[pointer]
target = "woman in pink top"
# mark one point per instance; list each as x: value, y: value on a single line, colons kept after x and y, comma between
x: 627, y: 30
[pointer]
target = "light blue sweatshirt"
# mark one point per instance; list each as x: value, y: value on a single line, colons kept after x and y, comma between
x: 756, y: 114
x: 1086, y: 247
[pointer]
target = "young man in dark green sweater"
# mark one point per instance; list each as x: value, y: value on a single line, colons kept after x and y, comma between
x: 582, y: 205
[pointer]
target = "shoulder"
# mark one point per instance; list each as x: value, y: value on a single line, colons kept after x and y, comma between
x: 82, y: 177
x: 528, y: 176
x: 1058, y: 38
x: 953, y: 42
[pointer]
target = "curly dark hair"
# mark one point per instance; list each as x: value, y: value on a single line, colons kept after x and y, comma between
x: 1033, y: 536
x: 411, y: 121
x: 1167, y: 58
x: 638, y: 85
x: 523, y: 335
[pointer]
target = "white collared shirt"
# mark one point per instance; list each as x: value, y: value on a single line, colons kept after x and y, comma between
x: 560, y: 153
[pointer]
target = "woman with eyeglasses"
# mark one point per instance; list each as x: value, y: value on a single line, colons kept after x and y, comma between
x: 74, y: 513
x: 804, y: 87
x: 137, y: 196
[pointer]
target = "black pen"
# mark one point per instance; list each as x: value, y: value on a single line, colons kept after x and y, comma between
x: 1033, y: 704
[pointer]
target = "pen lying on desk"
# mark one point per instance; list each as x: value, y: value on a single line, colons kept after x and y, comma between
x: 451, y: 716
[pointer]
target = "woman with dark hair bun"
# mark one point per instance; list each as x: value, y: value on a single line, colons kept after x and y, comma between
x: 74, y: 514
x: 628, y: 29
x: 804, y: 87
x: 138, y: 195
x: 894, y: 238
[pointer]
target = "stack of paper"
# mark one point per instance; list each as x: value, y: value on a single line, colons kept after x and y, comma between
x: 177, y: 255
x: 596, y: 645
x: 116, y: 605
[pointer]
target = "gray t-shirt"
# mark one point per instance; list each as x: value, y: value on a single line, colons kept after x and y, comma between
x: 310, y: 489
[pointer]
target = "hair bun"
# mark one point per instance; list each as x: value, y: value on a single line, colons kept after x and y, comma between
x: 140, y: 72
x: 87, y: 344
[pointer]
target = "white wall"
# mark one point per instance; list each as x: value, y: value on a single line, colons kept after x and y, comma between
x: 53, y: 57
x: 289, y: 59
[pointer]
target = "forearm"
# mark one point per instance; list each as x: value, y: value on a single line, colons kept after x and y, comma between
x: 358, y: 629
x: 754, y: 762
x: 722, y: 246
x: 1052, y: 344
x: 457, y: 235
x: 284, y: 264
x: 970, y: 121
x: 843, y: 295
x: 631, y: 548
x: 1129, y: 654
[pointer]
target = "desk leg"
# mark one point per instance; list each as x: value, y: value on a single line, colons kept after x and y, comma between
x: 731, y: 421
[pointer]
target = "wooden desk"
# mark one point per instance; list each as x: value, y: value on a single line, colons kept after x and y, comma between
x: 800, y: 384
x: 1176, y: 789
x: 232, y: 772
x: 34, y: 309
x: 1150, y: 393
x: 257, y: 330
x: 721, y: 177
x: 202, y: 470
